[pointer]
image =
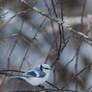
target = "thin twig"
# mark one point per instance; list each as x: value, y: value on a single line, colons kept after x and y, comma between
x: 86, y: 67
x: 8, y: 70
x: 69, y: 61
x: 62, y: 15
x: 22, y: 62
x: 52, y: 85
x: 57, y: 58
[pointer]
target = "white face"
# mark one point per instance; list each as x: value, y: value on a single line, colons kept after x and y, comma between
x: 45, y: 68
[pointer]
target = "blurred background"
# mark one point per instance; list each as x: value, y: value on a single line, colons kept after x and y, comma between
x: 29, y: 39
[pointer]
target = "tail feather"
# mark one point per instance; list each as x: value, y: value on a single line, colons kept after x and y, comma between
x: 15, y: 76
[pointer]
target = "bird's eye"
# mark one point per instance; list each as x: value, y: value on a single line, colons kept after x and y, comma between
x: 46, y: 68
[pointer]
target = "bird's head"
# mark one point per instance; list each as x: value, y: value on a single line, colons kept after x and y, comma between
x: 45, y: 68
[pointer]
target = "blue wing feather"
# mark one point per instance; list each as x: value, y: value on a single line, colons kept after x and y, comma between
x: 32, y: 73
x: 36, y: 72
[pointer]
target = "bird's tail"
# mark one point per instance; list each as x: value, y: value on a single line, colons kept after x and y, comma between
x: 15, y: 76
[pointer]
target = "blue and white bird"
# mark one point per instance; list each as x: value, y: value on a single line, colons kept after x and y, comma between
x: 36, y: 76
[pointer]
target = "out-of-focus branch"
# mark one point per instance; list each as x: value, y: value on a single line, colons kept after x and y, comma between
x: 80, y: 43
x: 80, y: 72
x: 46, y: 90
x: 57, y: 20
x: 14, y: 45
x: 18, y: 13
x: 86, y: 67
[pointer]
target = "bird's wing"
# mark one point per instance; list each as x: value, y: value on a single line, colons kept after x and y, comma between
x: 32, y: 73
x: 36, y: 72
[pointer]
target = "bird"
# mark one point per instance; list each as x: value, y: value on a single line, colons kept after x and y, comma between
x: 35, y: 76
